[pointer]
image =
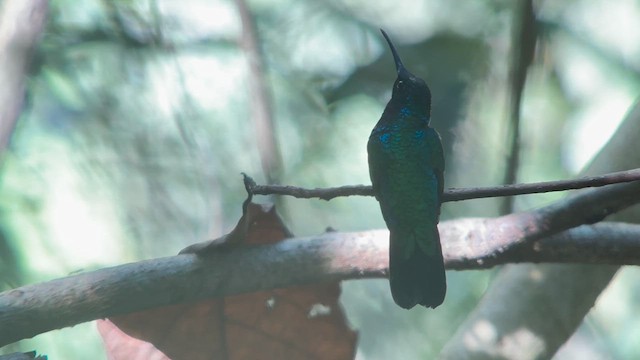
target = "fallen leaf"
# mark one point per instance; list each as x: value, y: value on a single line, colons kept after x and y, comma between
x: 304, y: 322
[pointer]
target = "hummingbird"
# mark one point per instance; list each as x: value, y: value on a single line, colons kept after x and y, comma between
x: 406, y: 166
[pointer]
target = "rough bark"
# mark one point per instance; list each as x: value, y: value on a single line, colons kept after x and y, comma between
x: 34, y: 309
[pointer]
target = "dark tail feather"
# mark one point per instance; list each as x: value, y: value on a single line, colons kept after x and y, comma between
x: 420, y: 279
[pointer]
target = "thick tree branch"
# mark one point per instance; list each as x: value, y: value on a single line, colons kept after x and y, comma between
x: 515, y: 229
x: 38, y: 308
x: 455, y: 194
x: 467, y: 244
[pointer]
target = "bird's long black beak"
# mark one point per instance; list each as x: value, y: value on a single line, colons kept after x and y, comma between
x: 399, y: 65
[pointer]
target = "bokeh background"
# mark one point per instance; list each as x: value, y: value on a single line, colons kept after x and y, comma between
x: 141, y: 115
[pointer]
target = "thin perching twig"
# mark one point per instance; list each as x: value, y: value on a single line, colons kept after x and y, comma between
x: 454, y: 194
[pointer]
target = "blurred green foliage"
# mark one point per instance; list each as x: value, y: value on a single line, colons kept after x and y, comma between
x: 137, y: 127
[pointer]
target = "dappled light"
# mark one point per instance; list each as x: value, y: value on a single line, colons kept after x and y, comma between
x: 125, y: 127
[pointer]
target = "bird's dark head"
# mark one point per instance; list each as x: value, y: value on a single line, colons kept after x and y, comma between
x: 408, y: 88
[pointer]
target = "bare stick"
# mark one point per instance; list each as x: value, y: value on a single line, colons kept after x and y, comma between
x: 455, y: 194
